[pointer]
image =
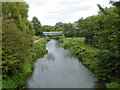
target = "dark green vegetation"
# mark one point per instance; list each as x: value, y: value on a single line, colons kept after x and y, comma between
x: 47, y: 28
x: 69, y: 29
x: 100, y: 50
x: 18, y: 49
x: 97, y: 60
x: 18, y: 64
x: 37, y: 26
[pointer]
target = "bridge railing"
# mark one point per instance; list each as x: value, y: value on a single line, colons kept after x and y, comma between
x: 53, y: 33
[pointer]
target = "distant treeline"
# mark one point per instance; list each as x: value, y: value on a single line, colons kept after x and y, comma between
x: 101, y: 31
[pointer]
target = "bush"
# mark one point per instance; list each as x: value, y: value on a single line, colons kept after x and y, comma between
x: 103, y: 63
x: 108, y: 65
x: 18, y: 54
x: 113, y: 85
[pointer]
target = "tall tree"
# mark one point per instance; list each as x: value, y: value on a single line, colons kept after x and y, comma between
x: 59, y: 26
x: 17, y: 34
x: 37, y: 26
x: 18, y: 13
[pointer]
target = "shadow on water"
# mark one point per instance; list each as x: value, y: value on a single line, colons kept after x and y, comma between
x: 50, y: 57
x: 60, y: 69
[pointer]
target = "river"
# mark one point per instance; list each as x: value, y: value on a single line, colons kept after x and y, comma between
x: 60, y: 69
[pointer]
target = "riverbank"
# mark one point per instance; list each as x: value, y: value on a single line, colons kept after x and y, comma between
x: 92, y: 58
x: 37, y: 40
x: 18, y: 77
x: 60, y: 69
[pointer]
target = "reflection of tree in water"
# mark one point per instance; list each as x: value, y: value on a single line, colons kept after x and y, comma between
x: 59, y: 45
x: 68, y: 55
x: 43, y: 67
x: 50, y: 56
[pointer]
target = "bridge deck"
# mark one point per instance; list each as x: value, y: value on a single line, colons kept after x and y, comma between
x: 53, y: 33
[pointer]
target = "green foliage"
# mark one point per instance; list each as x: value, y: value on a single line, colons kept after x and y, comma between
x: 113, y: 85
x: 86, y: 28
x: 47, y: 28
x: 102, y: 32
x: 58, y: 26
x: 69, y: 30
x: 103, y: 63
x: 15, y: 46
x: 99, y: 50
x: 15, y: 81
x: 108, y: 65
x: 14, y: 75
x: 101, y: 9
x: 39, y: 49
x: 25, y: 26
x: 85, y: 53
x: 37, y: 26
x: 17, y: 12
x: 18, y: 49
x: 15, y: 9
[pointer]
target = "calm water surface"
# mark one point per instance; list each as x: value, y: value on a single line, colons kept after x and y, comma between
x: 60, y: 69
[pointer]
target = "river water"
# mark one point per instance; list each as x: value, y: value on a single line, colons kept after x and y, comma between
x: 60, y: 69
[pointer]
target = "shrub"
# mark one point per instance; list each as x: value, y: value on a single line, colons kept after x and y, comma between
x: 113, y: 85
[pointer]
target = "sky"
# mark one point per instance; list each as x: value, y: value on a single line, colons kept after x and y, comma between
x: 49, y: 12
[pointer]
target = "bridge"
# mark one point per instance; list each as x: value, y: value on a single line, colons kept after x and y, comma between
x: 53, y: 33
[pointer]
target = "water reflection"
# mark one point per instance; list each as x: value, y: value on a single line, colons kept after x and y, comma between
x: 50, y: 56
x: 60, y: 69
x: 68, y: 55
x: 43, y: 67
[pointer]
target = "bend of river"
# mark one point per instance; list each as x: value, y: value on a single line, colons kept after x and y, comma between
x: 60, y: 69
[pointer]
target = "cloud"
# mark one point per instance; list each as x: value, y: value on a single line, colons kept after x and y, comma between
x: 49, y: 12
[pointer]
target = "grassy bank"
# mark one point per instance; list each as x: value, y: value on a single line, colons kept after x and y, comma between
x: 18, y: 74
x: 94, y: 59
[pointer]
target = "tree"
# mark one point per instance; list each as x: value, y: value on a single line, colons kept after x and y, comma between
x: 59, y: 26
x: 18, y: 13
x: 69, y: 30
x: 17, y: 34
x: 37, y: 26
x: 47, y: 28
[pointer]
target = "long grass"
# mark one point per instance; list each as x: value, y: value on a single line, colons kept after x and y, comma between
x: 94, y: 59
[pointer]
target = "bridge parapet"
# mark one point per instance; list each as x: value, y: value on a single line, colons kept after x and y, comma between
x: 53, y: 33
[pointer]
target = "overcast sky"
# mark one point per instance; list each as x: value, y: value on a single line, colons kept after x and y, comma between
x: 49, y: 12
